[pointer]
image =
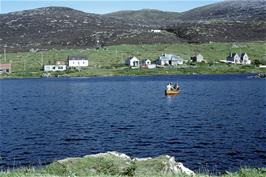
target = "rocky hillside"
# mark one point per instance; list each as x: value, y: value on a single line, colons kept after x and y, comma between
x: 229, y: 10
x: 147, y: 16
x: 219, y: 32
x: 225, y: 21
x: 59, y: 27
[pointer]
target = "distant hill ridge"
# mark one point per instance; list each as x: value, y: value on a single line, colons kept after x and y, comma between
x: 63, y: 27
x: 147, y: 16
x: 236, y: 10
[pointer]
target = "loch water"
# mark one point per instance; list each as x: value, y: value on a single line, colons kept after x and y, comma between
x: 217, y: 123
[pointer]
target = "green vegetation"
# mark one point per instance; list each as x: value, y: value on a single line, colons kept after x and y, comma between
x: 110, y: 60
x: 108, y: 165
x: 31, y: 172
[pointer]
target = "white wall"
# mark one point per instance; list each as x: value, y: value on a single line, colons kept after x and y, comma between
x: 237, y: 59
x: 78, y: 63
x: 147, y: 62
x: 246, y: 60
x: 48, y: 68
x: 134, y: 62
x: 199, y: 58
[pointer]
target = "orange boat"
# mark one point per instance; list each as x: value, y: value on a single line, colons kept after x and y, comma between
x: 173, y: 92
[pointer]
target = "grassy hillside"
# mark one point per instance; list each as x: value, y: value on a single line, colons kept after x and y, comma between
x: 110, y: 60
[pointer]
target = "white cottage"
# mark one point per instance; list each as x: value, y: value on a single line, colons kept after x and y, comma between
x: 48, y: 68
x: 77, y: 61
x: 133, y: 62
x: 233, y: 58
x: 245, y: 59
x: 169, y: 59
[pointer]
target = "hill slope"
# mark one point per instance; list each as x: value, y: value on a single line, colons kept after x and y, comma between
x: 224, y: 21
x: 59, y: 27
x: 147, y: 16
x: 241, y: 10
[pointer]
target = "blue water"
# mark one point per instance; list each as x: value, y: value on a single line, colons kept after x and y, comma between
x: 217, y: 123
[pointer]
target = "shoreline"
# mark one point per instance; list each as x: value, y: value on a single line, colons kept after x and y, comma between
x: 128, y: 75
x: 115, y: 164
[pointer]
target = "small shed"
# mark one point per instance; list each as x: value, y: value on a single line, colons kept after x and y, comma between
x: 169, y: 59
x: 145, y: 62
x: 5, y: 68
x: 233, y: 58
x: 133, y: 62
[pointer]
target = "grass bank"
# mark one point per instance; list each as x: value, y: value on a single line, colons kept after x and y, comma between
x: 110, y: 60
x: 110, y: 165
x: 125, y: 71
x: 38, y: 173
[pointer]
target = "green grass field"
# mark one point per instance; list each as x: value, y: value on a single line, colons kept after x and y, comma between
x: 110, y: 60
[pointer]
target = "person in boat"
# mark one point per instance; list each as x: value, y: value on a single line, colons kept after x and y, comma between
x: 170, y: 86
x: 176, y: 86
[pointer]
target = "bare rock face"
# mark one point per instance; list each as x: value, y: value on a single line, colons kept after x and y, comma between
x: 121, y: 164
x: 171, y: 166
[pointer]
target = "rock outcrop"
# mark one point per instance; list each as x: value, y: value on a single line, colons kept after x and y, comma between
x: 116, y: 163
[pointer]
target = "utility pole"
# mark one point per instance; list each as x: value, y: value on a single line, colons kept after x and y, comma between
x: 24, y: 64
x: 5, y: 46
x: 42, y: 58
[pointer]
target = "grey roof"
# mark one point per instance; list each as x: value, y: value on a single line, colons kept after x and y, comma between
x: 167, y: 57
x: 232, y: 55
x: 77, y: 58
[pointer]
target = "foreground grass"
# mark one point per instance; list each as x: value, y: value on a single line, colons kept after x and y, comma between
x: 31, y: 172
x: 108, y: 165
x: 107, y: 61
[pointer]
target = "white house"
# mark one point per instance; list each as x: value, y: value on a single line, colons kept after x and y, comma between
x: 133, y: 62
x: 197, y: 58
x: 77, y: 61
x: 48, y: 68
x: 145, y: 62
x: 245, y: 59
x: 233, y: 58
x: 169, y: 59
